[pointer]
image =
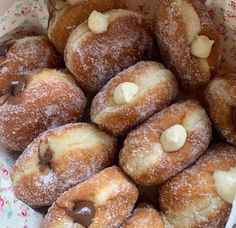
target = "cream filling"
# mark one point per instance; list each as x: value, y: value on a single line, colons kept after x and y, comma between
x: 225, y: 184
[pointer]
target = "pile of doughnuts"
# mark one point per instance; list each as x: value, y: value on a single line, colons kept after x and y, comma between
x: 94, y: 132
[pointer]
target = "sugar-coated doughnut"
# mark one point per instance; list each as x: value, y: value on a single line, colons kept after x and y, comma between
x: 106, y: 200
x: 67, y: 19
x: 45, y: 99
x: 152, y: 153
x: 59, y: 159
x: 95, y: 58
x: 188, y: 42
x: 119, y: 111
x: 190, y: 198
x: 23, y: 56
x: 220, y: 97
x: 144, y: 216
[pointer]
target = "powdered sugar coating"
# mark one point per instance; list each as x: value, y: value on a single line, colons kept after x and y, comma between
x: 157, y: 88
x: 81, y: 157
x: 142, y: 156
x: 175, y: 27
x: 50, y: 98
x: 95, y: 58
x: 220, y: 97
x: 118, y: 193
x: 190, y: 200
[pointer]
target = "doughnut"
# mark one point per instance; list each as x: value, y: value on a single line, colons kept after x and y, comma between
x: 132, y: 96
x: 188, y: 42
x: 220, y: 98
x: 59, y: 159
x: 46, y: 99
x: 167, y: 143
x: 106, y: 44
x: 68, y: 18
x: 144, y: 216
x: 105, y: 200
x: 192, y: 199
x: 24, y: 56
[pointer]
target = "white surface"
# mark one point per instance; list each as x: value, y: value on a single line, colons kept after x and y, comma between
x: 13, y: 212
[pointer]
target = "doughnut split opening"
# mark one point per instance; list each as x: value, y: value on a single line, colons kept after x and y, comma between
x: 173, y: 138
x: 125, y: 92
x: 201, y: 46
x: 225, y: 184
x: 98, y: 22
x: 82, y: 213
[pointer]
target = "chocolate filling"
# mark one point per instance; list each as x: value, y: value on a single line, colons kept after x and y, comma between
x: 46, y: 159
x: 234, y: 115
x: 83, y: 213
x: 45, y: 156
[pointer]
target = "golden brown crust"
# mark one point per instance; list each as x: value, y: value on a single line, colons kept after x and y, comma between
x: 173, y: 28
x: 111, y: 192
x: 190, y: 200
x: 67, y: 19
x: 77, y: 151
x: 26, y: 55
x: 50, y: 98
x: 142, y: 156
x: 144, y: 216
x: 220, y: 97
x: 95, y: 58
x: 158, y: 88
